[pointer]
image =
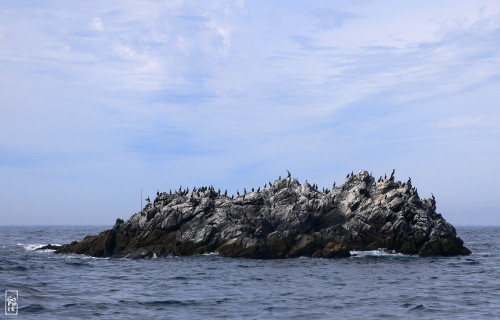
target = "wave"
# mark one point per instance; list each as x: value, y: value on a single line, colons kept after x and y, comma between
x: 210, y: 254
x: 35, y: 246
x: 169, y: 302
x: 30, y: 247
x: 383, y: 252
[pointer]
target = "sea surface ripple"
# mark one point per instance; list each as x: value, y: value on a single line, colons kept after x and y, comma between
x: 371, y: 285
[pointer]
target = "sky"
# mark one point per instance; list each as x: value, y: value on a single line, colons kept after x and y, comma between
x: 102, y: 99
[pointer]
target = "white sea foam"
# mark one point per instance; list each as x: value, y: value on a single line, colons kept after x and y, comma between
x: 210, y: 254
x: 34, y: 246
x: 30, y: 247
x: 376, y: 253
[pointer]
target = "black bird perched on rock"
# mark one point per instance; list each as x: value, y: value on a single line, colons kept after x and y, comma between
x: 258, y: 189
x: 158, y: 192
x: 238, y: 193
x: 244, y: 190
x: 392, y: 174
x: 289, y: 174
x: 252, y: 189
x: 148, y: 200
x: 334, y: 183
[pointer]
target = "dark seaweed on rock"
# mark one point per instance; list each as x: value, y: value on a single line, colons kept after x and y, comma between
x: 282, y: 220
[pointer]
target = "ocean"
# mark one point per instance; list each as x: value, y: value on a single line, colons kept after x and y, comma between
x: 370, y: 285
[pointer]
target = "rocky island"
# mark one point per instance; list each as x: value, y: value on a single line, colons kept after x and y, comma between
x: 284, y: 219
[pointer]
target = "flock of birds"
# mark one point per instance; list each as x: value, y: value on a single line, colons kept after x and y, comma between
x: 211, y: 189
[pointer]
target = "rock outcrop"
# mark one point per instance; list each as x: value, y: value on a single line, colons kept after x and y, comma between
x: 284, y: 219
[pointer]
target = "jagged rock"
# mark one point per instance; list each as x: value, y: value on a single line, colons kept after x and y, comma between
x: 283, y: 220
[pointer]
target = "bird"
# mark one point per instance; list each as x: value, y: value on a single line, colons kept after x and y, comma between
x: 148, y: 200
x: 158, y: 192
x: 238, y: 193
x: 252, y: 189
x: 258, y: 190
x: 289, y: 174
x: 334, y: 183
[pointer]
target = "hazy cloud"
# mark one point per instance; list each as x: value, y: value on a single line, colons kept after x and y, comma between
x: 461, y: 122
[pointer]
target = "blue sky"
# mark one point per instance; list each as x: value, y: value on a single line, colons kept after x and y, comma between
x: 102, y: 98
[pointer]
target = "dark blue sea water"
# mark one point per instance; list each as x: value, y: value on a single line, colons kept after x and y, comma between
x: 372, y: 285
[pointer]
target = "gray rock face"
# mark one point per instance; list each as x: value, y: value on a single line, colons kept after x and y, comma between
x: 283, y: 220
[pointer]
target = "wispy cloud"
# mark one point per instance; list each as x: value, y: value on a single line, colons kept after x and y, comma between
x: 464, y: 121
